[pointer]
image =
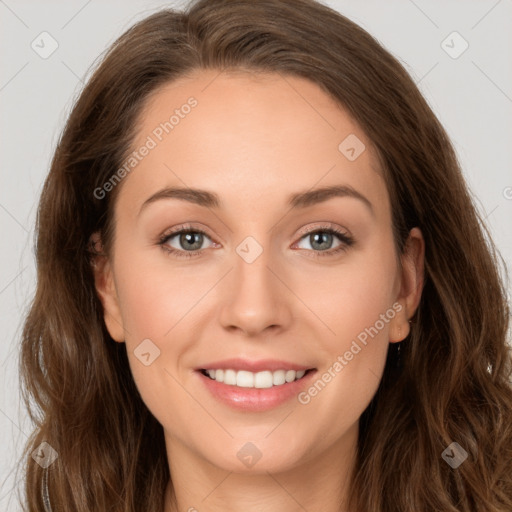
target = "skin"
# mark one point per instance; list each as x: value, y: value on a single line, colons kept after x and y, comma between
x: 254, y: 140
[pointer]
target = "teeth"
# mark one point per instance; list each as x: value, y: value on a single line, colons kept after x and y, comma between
x: 260, y: 380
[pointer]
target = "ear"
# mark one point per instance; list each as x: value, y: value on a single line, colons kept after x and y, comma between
x: 105, y: 287
x: 411, y: 285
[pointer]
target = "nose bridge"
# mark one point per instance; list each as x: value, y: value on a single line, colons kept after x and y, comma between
x: 256, y: 298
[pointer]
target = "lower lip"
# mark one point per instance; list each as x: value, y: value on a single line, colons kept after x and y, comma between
x: 255, y: 399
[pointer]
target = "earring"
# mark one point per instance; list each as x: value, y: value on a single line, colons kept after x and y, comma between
x: 398, y: 360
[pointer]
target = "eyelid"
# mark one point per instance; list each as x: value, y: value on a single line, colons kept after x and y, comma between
x: 324, y: 225
x: 189, y: 226
x: 343, y: 235
x: 186, y: 226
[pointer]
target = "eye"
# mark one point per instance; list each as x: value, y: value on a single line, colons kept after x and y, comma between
x: 321, y: 240
x: 188, y: 239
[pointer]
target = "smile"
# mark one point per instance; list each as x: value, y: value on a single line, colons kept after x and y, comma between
x: 259, y: 380
x: 254, y: 391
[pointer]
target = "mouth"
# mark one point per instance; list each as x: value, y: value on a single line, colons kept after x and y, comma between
x: 256, y: 392
x: 259, y: 380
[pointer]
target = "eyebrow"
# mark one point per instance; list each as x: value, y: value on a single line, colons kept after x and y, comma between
x: 297, y: 200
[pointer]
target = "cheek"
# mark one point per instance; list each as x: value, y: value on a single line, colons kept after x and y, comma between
x: 155, y: 318
x: 152, y: 298
x: 349, y: 299
x: 353, y: 351
x: 356, y: 303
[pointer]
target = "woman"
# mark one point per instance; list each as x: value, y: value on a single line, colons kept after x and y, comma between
x: 257, y: 370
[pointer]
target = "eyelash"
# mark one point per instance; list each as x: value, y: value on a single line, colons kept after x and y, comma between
x: 347, y: 241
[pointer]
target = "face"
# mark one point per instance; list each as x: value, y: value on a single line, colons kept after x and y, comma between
x: 265, y: 270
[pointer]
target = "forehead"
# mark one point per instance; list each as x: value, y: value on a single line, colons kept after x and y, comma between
x: 249, y: 137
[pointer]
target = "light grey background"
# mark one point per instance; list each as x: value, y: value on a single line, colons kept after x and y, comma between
x: 471, y: 95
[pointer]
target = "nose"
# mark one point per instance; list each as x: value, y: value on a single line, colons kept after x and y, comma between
x: 255, y: 297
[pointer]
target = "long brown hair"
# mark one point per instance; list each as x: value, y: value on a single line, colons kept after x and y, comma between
x: 453, y: 381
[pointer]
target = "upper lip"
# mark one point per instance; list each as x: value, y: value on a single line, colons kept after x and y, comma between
x: 253, y: 366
